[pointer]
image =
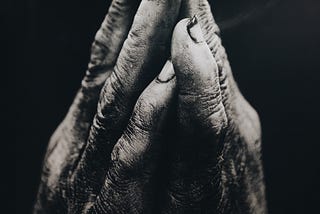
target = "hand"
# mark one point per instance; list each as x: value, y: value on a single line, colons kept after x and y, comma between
x: 214, y: 161
x: 128, y: 52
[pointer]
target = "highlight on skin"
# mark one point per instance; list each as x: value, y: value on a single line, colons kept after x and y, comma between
x: 112, y: 152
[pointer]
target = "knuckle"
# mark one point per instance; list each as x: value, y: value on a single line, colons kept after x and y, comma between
x: 93, y: 81
x: 256, y: 127
x: 254, y: 116
x: 137, y: 34
x: 248, y: 125
x: 124, y: 156
x: 206, y: 104
x: 98, y: 52
x: 140, y: 124
x: 120, y: 155
x: 217, y: 119
x: 207, y: 110
x: 111, y: 100
x: 134, y: 48
x: 120, y: 6
x: 119, y: 79
x: 131, y: 155
x: 101, y: 53
x: 248, y: 113
x: 97, y: 126
x: 190, y: 195
x: 147, y: 104
x: 147, y: 114
x: 95, y: 76
x: 111, y: 35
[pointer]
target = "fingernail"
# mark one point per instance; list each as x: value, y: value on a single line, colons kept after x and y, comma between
x: 194, y: 30
x: 167, y: 73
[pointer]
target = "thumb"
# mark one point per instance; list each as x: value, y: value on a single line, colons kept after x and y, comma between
x: 136, y: 154
x: 200, y: 105
x: 201, y: 122
x: 145, y: 126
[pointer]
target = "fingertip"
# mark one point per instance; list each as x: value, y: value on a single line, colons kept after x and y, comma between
x: 187, y: 31
x: 194, y: 30
x: 153, y: 104
x: 180, y: 36
x: 193, y: 62
x: 167, y: 73
x: 197, y: 76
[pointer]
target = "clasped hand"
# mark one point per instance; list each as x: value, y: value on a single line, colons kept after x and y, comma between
x: 158, y: 124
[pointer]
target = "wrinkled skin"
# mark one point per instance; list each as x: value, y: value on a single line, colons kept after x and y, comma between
x: 136, y: 141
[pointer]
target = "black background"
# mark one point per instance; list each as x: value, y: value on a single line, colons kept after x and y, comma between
x: 274, y: 52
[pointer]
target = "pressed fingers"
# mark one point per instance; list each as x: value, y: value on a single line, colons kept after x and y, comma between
x: 135, y: 156
x: 68, y: 141
x: 140, y: 59
x: 201, y: 122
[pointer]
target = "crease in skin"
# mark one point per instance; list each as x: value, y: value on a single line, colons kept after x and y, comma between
x: 238, y: 166
x: 104, y: 56
x: 114, y: 115
x: 81, y: 112
x: 135, y: 155
x: 228, y: 86
x: 199, y: 92
x: 234, y: 191
x: 190, y: 187
x: 212, y: 36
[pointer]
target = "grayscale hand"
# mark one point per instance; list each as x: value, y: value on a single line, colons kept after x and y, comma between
x: 105, y: 156
x: 215, y: 163
x: 127, y: 53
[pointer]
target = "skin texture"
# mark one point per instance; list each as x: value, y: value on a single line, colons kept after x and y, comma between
x: 136, y: 141
x: 218, y: 151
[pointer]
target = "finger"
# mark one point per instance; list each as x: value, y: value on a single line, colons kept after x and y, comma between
x: 105, y: 49
x: 129, y: 183
x: 200, y: 103
x: 142, y: 54
x: 201, y: 123
x: 211, y: 32
x: 202, y: 9
x: 104, y: 52
x: 234, y: 103
x: 109, y: 40
x: 71, y: 135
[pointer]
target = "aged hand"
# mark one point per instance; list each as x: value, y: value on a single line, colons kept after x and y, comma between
x: 215, y: 161
x: 105, y: 156
x: 128, y: 52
